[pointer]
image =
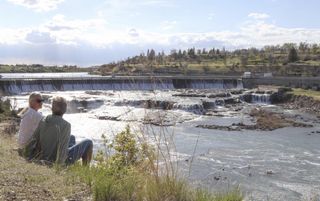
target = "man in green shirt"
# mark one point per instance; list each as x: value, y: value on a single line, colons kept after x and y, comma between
x: 52, y: 142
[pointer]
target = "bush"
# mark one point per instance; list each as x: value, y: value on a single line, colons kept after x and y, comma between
x: 5, y: 110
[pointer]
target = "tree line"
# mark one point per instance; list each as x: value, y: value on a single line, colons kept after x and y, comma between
x: 274, y: 54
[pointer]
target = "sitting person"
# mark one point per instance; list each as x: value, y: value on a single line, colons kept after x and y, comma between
x: 52, y: 141
x: 30, y: 118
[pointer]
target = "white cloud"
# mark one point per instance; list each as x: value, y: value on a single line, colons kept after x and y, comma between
x: 12, y: 36
x: 133, y: 33
x: 167, y: 25
x: 258, y: 16
x: 92, y: 41
x: 38, y: 5
x: 60, y: 23
x: 38, y: 37
x: 114, y: 8
x: 70, y: 31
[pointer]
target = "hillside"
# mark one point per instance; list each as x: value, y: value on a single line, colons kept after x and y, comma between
x: 39, y: 68
x: 284, y: 60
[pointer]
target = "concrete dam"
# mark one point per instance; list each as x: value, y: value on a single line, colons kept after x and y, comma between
x: 10, y: 86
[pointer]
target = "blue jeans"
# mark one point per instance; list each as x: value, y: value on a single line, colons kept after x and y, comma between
x: 77, y: 151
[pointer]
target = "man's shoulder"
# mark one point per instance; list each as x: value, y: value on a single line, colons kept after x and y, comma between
x: 34, y: 112
x: 67, y: 124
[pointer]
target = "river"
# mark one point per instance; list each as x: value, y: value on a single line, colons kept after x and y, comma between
x: 282, y: 164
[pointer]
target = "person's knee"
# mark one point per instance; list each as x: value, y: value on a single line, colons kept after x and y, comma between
x: 89, y: 144
x: 72, y: 138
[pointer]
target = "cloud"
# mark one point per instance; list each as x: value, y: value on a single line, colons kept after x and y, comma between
x: 258, y: 16
x: 60, y: 23
x: 133, y: 33
x: 116, y: 8
x: 167, y: 25
x: 91, y: 41
x: 38, y: 5
x: 12, y: 36
x: 38, y: 37
x: 70, y: 31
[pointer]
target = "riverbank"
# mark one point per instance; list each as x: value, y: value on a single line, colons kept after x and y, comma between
x: 21, y: 180
x: 304, y: 100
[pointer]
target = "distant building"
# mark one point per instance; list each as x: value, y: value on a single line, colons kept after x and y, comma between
x: 267, y: 75
x: 247, y: 75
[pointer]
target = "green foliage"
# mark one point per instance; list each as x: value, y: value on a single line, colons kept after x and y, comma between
x: 129, y: 175
x: 293, y: 55
x: 5, y: 110
x: 38, y: 68
x: 126, y: 150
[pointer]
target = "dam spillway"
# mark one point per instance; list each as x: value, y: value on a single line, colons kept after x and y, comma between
x: 23, y: 85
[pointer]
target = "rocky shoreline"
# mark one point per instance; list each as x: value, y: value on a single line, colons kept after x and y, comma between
x: 304, y: 103
x: 264, y: 120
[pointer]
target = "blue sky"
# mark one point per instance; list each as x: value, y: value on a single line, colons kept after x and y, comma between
x: 94, y: 32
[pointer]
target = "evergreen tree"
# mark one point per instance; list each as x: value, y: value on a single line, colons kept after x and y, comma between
x: 293, y: 55
x: 152, y: 55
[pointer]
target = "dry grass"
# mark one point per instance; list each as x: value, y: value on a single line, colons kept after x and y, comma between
x: 21, y: 180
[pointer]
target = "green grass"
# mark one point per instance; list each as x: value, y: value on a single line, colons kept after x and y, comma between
x: 304, y: 92
x: 311, y: 63
x: 135, y: 185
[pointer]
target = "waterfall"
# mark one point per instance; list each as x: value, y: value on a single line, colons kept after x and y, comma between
x: 10, y: 86
x: 261, y: 98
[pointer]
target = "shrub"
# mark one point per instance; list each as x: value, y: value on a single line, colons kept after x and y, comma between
x: 5, y: 110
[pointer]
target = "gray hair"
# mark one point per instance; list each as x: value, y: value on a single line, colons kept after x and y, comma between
x: 59, y: 106
x: 33, y: 96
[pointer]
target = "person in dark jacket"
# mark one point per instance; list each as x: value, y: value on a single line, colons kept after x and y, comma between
x: 52, y: 142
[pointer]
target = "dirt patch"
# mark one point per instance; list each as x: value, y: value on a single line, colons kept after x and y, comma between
x: 267, y: 120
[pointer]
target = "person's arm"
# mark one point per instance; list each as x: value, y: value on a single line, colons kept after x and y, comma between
x: 23, y: 112
x: 36, y: 118
x: 32, y: 149
x: 63, y: 144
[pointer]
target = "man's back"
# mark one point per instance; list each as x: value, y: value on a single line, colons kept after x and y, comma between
x: 53, y: 135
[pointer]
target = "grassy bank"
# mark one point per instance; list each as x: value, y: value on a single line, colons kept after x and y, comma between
x: 303, y: 92
x: 20, y: 180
